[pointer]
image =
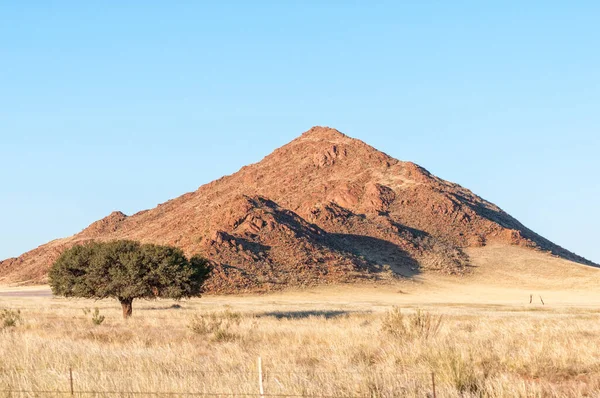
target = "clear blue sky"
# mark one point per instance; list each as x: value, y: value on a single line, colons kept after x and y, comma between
x: 123, y: 107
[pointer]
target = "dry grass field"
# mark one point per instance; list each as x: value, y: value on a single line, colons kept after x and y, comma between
x: 478, y: 335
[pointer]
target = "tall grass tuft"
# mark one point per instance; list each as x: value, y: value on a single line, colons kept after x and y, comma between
x: 217, y: 326
x: 420, y: 324
x: 10, y: 318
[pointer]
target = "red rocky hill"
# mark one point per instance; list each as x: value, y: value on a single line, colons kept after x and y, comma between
x: 325, y: 208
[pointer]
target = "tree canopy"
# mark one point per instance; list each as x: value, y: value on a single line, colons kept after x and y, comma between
x: 127, y: 270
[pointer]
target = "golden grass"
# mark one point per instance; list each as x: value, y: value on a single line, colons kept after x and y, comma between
x: 478, y: 334
x: 337, y: 349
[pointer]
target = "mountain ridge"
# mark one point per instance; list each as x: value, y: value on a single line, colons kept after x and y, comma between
x: 324, y: 208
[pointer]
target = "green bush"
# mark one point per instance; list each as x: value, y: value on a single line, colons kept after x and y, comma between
x: 97, y: 319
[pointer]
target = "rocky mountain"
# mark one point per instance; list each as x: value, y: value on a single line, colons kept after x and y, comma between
x: 325, y: 208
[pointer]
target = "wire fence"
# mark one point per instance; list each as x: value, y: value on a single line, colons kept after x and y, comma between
x: 167, y: 394
x: 192, y: 372
x: 69, y: 378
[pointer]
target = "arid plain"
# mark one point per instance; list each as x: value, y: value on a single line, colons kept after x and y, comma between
x: 478, y: 335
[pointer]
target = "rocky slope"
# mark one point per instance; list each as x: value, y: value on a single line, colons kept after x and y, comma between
x: 324, y: 208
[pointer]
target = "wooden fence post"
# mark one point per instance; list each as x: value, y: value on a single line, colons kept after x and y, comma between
x: 260, y: 378
x: 433, y: 383
x: 71, y: 380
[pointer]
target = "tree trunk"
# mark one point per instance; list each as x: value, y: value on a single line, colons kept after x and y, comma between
x: 127, y: 309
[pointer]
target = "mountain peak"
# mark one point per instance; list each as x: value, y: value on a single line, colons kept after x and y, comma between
x: 324, y: 208
x: 323, y: 133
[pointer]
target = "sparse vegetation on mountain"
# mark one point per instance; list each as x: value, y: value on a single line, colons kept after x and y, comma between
x: 127, y: 270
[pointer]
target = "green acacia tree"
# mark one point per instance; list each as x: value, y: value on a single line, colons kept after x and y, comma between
x: 127, y: 270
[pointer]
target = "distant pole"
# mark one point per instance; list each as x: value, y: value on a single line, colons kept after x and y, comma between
x: 71, y: 380
x: 433, y: 383
x: 260, y: 378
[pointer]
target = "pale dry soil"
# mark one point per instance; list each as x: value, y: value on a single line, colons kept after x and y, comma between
x: 329, y: 341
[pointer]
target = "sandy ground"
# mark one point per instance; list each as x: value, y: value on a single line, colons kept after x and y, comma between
x: 29, y: 291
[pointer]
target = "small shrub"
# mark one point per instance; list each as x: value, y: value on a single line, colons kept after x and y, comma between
x: 421, y: 324
x: 217, y: 326
x: 10, y: 318
x: 97, y: 319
